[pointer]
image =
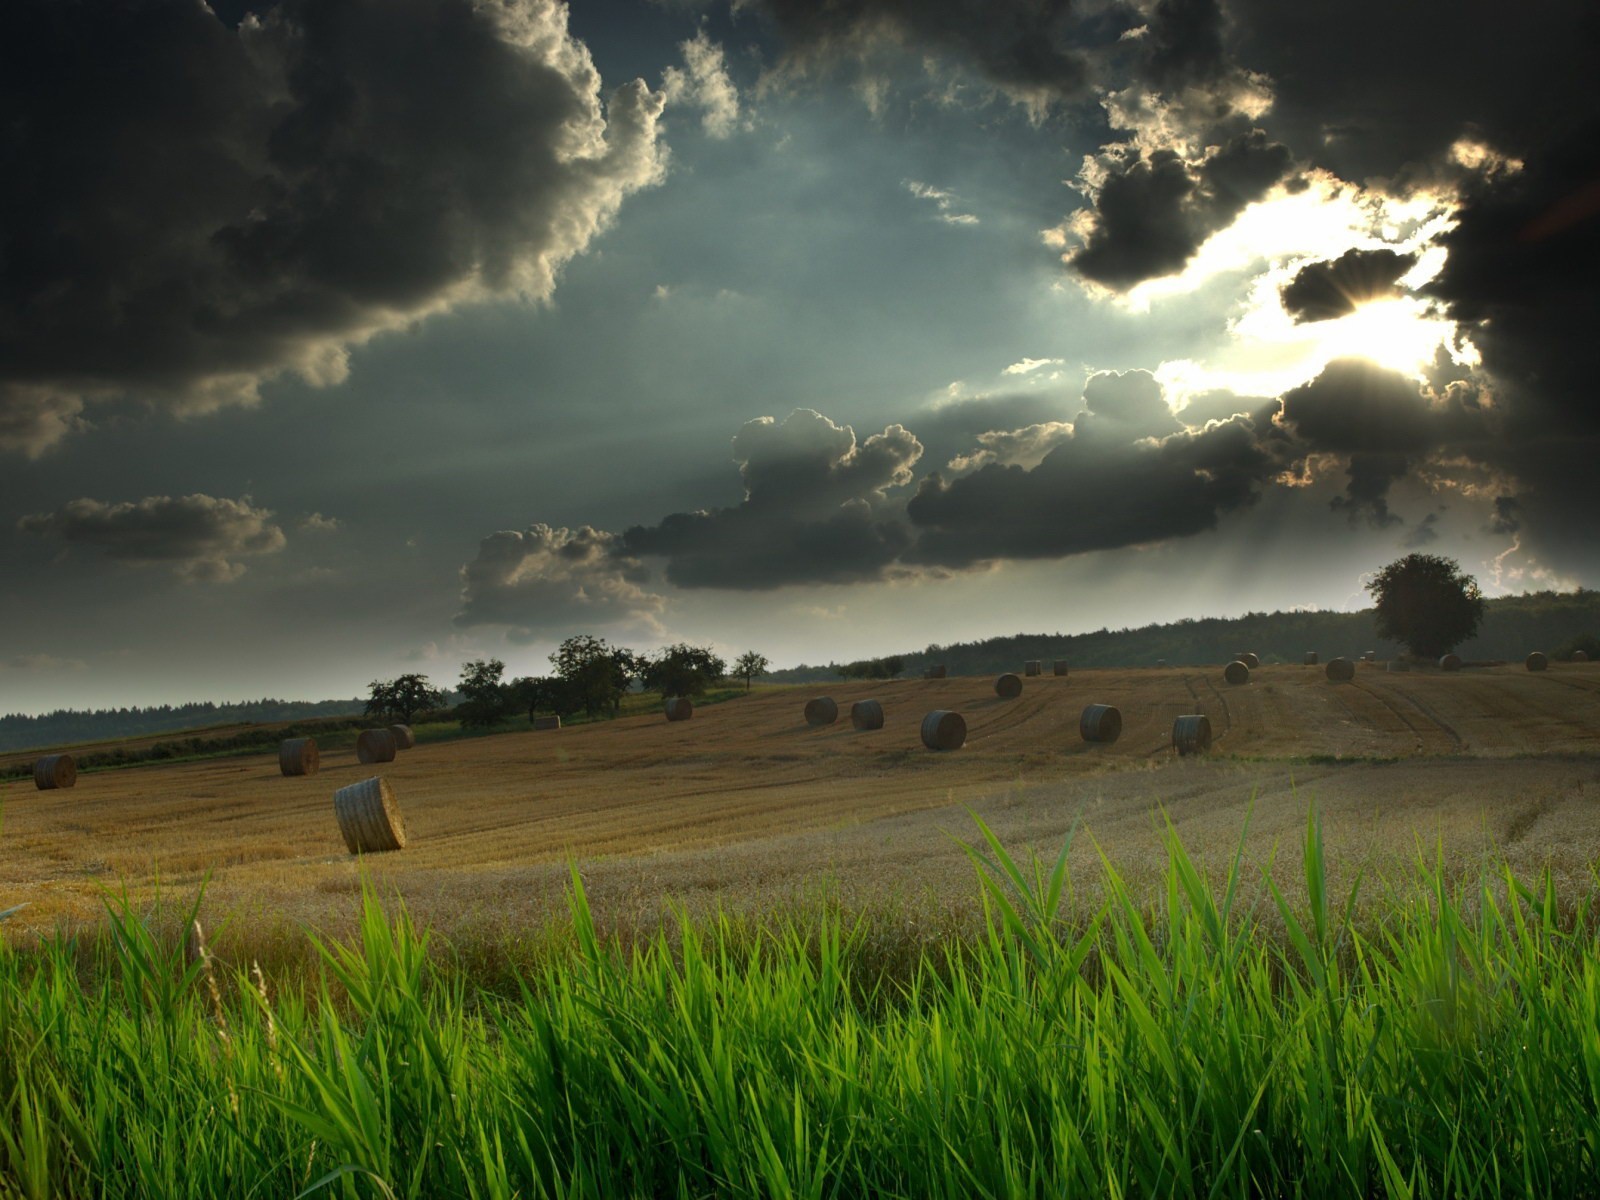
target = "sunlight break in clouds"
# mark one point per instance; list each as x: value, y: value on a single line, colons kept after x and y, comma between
x: 1320, y: 221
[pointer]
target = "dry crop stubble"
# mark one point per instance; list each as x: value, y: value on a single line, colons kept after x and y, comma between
x: 747, y: 804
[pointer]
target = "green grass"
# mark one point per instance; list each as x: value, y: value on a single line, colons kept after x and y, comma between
x: 1165, y: 1045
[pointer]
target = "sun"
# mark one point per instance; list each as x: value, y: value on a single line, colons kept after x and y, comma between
x: 1397, y: 332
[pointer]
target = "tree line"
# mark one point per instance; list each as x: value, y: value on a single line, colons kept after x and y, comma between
x: 1558, y: 623
x: 67, y: 726
x: 588, y: 675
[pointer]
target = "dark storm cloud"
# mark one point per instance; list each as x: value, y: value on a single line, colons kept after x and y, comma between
x: 1322, y: 291
x: 198, y: 537
x: 1086, y: 496
x: 1521, y: 274
x: 1030, y: 49
x: 815, y: 510
x: 1384, y: 423
x: 1356, y: 407
x: 191, y: 208
x: 1505, y: 519
x: 1374, y: 90
x: 1152, y: 211
x: 545, y: 580
x: 1183, y: 44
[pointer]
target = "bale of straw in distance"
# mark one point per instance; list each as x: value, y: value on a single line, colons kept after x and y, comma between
x: 404, y: 739
x: 944, y: 730
x: 368, y: 817
x: 1008, y: 686
x: 1311, y: 658
x: 1192, y: 734
x: 1250, y: 659
x: 375, y: 746
x: 866, y: 714
x: 1100, y: 723
x: 1341, y: 670
x: 55, y: 771
x: 821, y: 711
x: 1032, y: 667
x: 1060, y: 666
x: 1537, y: 661
x: 547, y: 722
x: 298, y: 756
x: 1161, y: 662
x: 1450, y: 662
x: 938, y: 672
x: 1236, y: 672
x: 1370, y: 656
x: 679, y: 708
x: 1580, y: 656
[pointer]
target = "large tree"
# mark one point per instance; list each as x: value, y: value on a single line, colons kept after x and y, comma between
x: 594, y: 674
x: 1425, y: 602
x: 485, y: 700
x: 750, y: 665
x: 403, y: 698
x: 683, y: 670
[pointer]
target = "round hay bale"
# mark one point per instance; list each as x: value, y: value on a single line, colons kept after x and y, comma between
x: 404, y: 739
x: 1537, y: 661
x: 1161, y: 664
x: 866, y: 714
x: 1370, y: 656
x: 55, y: 771
x: 821, y: 711
x: 1399, y: 664
x: 1100, y: 723
x: 542, y: 723
x: 375, y: 746
x: 369, y: 818
x: 1249, y: 659
x: 1580, y: 656
x: 1341, y: 670
x: 1236, y: 672
x: 1192, y: 734
x: 1008, y: 687
x: 938, y: 672
x: 1060, y: 667
x: 298, y: 756
x: 944, y: 730
x: 1450, y: 662
x: 1032, y: 667
x: 679, y: 708
x: 1311, y: 658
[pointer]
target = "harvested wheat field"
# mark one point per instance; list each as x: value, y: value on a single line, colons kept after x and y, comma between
x: 746, y: 805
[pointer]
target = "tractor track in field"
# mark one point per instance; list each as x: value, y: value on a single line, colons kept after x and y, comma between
x: 1221, y: 698
x: 1000, y: 716
x: 1435, y: 722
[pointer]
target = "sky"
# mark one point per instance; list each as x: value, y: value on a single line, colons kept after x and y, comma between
x: 346, y: 338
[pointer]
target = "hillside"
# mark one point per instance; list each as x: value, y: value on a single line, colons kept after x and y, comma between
x: 1512, y: 626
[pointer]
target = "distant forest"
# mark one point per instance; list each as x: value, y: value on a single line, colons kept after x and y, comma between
x: 67, y: 726
x: 1512, y: 626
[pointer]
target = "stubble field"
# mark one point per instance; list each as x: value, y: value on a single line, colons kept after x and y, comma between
x: 747, y: 808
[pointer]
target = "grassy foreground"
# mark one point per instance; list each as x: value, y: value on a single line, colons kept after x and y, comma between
x: 1168, y: 1046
